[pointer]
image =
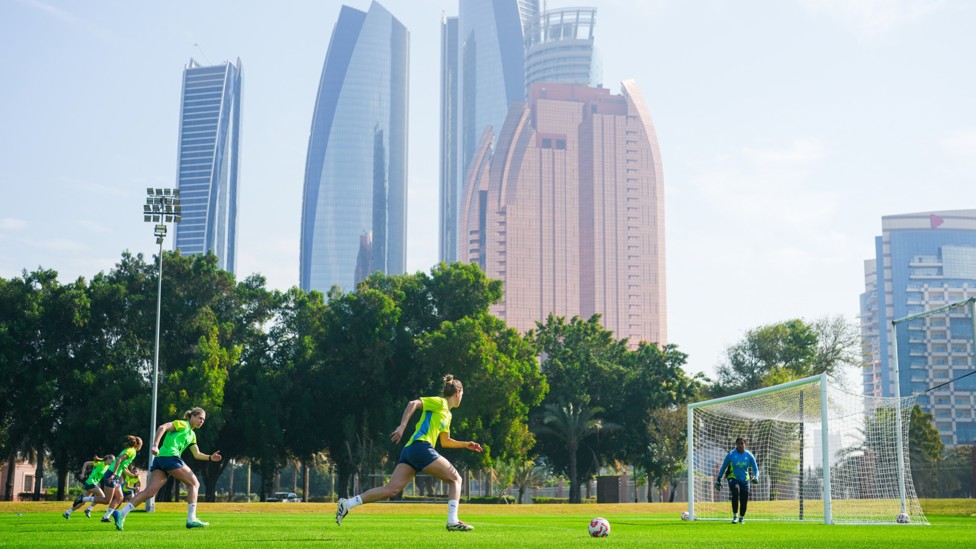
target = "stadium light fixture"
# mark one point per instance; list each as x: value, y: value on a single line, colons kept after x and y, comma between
x: 160, y: 207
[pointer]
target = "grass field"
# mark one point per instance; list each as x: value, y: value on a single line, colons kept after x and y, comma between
x: 412, y: 525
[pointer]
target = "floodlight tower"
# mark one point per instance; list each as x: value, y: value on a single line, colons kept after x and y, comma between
x: 162, y: 206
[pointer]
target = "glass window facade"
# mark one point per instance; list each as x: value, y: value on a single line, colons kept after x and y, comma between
x: 355, y: 194
x: 208, y: 160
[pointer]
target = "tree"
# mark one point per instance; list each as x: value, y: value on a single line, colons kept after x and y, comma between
x: 667, y: 432
x: 925, y: 452
x: 572, y: 425
x: 777, y: 353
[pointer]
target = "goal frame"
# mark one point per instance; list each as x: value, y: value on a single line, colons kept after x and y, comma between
x: 825, y: 431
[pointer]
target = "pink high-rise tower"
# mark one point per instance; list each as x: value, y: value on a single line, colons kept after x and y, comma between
x: 568, y: 211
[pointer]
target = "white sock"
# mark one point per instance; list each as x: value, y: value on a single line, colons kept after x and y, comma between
x: 191, y: 511
x: 354, y: 502
x: 452, y: 509
x: 108, y: 513
x: 70, y: 510
x: 88, y: 498
x: 125, y: 510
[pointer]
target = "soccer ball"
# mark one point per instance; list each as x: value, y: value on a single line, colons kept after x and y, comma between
x: 599, y: 527
x: 685, y: 516
x: 903, y: 518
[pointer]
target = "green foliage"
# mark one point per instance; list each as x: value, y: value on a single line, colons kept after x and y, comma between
x: 781, y: 352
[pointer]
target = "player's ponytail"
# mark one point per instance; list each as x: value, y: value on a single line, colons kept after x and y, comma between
x: 451, y: 386
x: 193, y: 412
x: 132, y: 441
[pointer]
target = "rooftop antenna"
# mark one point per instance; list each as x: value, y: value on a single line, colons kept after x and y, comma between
x: 197, y: 46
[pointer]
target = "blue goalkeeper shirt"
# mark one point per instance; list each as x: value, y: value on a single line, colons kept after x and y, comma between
x: 739, y: 463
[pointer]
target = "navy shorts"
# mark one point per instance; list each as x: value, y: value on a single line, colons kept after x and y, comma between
x: 743, y: 485
x: 167, y: 463
x: 418, y: 455
x: 110, y: 481
x: 90, y: 486
x: 127, y: 493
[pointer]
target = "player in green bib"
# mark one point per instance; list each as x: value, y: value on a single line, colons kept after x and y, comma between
x: 419, y: 454
x: 99, y: 465
x: 168, y: 445
x: 112, y: 481
x: 131, y: 483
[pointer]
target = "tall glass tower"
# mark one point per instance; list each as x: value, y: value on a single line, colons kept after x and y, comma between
x: 208, y: 160
x: 485, y: 77
x: 354, y: 210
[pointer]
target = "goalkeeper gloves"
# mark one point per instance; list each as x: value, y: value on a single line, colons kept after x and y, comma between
x: 754, y: 480
x: 718, y: 485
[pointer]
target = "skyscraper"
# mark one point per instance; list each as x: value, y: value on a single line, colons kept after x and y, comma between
x: 489, y: 76
x: 208, y: 160
x: 924, y: 261
x: 354, y: 210
x: 559, y: 48
x: 568, y: 211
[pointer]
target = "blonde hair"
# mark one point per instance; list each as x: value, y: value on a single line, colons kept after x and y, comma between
x: 193, y: 412
x: 132, y: 441
x: 452, y: 386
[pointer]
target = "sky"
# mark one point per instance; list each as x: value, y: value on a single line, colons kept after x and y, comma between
x: 787, y: 129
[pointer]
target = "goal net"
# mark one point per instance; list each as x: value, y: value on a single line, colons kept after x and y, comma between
x: 824, y: 455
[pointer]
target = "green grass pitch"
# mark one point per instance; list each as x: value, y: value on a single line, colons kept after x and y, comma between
x: 413, y: 525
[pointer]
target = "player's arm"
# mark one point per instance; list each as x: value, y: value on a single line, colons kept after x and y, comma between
x: 448, y: 442
x: 721, y: 473
x: 197, y: 454
x: 755, y: 467
x: 412, y: 407
x: 158, y: 437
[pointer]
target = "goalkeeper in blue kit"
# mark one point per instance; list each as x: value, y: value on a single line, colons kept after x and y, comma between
x: 740, y: 470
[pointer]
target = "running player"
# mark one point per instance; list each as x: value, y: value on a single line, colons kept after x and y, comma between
x: 168, y: 444
x: 419, y: 454
x: 736, y: 468
x: 99, y: 465
x: 112, y: 481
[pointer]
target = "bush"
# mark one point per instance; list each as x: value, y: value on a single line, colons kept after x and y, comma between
x: 491, y: 499
x: 543, y: 499
x: 321, y: 499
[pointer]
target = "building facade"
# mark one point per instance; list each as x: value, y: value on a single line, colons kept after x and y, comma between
x: 924, y: 261
x: 354, y: 210
x: 483, y: 78
x: 568, y: 211
x: 208, y: 161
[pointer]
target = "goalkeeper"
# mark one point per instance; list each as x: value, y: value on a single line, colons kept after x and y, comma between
x: 736, y: 468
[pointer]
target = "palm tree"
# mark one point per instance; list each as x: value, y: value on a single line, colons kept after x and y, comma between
x: 572, y: 424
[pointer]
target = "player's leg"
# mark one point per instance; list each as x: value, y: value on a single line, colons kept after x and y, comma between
x: 114, y: 499
x: 734, y: 495
x: 402, y: 474
x: 185, y: 475
x: 157, y: 478
x: 443, y: 470
x: 743, y: 502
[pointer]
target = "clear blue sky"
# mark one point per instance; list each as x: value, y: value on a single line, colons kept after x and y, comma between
x: 787, y: 129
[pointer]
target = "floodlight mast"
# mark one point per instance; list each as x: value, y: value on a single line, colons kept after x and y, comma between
x: 162, y: 206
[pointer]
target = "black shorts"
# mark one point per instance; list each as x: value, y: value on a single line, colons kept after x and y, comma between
x: 743, y: 484
x: 110, y: 481
x: 418, y: 454
x: 167, y: 463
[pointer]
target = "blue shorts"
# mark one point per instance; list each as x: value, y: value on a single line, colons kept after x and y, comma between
x: 167, y: 463
x: 90, y: 486
x: 127, y: 493
x: 418, y: 455
x: 110, y: 481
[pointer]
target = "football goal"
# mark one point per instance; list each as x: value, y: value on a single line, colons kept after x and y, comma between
x: 824, y: 455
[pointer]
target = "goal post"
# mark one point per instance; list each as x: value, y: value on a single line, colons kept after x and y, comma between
x: 824, y: 455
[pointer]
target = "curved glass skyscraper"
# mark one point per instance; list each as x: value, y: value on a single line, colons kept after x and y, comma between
x: 210, y: 135
x: 354, y: 211
x: 484, y: 78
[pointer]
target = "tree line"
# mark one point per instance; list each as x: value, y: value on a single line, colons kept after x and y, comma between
x: 295, y: 375
x: 300, y: 376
